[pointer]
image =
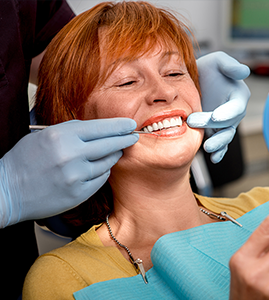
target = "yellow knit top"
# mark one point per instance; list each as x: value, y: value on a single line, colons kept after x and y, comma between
x: 61, y: 272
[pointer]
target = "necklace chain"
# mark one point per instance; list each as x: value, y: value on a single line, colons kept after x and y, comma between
x: 224, y: 216
x: 138, y: 263
x: 120, y: 244
x: 212, y: 215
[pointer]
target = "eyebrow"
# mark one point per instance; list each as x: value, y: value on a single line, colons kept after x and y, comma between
x: 170, y: 53
x: 164, y: 55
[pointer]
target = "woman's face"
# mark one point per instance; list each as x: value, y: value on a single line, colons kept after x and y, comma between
x: 156, y: 91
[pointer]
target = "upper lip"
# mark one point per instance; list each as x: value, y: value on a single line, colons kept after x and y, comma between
x: 159, y: 117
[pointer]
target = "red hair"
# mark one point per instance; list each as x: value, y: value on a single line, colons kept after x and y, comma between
x: 70, y: 70
x: 71, y: 66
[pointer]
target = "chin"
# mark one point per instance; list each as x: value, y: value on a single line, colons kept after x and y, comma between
x: 176, y: 157
x: 165, y: 152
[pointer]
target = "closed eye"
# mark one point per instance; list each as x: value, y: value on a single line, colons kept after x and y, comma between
x: 126, y: 83
x: 176, y: 74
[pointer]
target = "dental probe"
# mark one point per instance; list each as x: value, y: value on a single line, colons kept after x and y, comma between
x: 40, y: 127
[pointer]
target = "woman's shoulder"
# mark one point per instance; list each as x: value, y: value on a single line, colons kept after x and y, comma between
x: 238, y: 206
x: 55, y: 271
x: 50, y: 274
x: 85, y: 250
x: 76, y: 265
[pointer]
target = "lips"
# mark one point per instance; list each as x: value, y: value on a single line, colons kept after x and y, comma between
x: 165, y: 120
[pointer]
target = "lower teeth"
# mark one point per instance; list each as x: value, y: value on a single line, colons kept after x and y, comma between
x: 164, y: 129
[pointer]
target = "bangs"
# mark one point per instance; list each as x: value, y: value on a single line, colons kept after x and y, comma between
x: 133, y: 29
x: 128, y: 29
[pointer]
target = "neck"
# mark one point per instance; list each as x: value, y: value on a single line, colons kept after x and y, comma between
x: 150, y: 201
x: 148, y: 207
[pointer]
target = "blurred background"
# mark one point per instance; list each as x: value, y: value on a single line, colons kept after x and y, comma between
x: 241, y: 29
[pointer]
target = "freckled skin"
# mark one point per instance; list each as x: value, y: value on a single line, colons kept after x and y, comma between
x: 150, y: 89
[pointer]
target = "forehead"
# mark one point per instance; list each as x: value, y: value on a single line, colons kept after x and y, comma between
x: 130, y: 47
x: 111, y: 58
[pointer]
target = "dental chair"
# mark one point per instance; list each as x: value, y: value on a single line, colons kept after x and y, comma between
x: 206, y: 176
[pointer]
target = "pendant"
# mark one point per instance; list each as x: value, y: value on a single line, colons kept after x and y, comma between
x: 139, y: 264
x: 224, y: 214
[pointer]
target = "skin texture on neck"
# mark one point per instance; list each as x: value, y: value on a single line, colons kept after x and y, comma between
x: 146, y: 209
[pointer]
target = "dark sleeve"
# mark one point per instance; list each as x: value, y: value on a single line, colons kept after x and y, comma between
x: 51, y: 16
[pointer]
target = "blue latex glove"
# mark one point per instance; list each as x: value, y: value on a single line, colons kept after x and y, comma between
x: 224, y: 100
x: 53, y: 170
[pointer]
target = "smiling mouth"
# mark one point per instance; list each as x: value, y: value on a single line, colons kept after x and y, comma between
x: 165, y: 124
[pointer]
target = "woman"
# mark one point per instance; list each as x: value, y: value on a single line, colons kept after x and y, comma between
x: 141, y: 64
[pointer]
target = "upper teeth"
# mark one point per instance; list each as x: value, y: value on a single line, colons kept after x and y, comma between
x: 164, y: 124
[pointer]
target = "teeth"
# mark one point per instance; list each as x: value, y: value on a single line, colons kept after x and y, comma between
x: 160, y: 125
x: 179, y: 122
x: 155, y: 126
x: 173, y: 122
x: 165, y: 124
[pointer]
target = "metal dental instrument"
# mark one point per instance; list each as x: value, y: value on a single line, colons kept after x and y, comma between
x: 224, y: 214
x: 37, y: 127
x: 40, y: 127
x: 143, y: 132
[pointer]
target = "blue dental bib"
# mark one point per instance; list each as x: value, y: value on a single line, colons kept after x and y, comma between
x: 191, y: 264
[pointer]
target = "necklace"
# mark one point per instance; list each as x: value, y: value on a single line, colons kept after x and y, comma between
x: 138, y: 263
x: 211, y: 215
x: 224, y: 216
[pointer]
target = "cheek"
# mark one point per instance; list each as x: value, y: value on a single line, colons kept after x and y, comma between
x: 98, y: 107
x: 197, y: 137
x: 198, y: 104
x: 192, y: 96
x: 89, y: 112
x: 90, y: 109
x: 108, y: 105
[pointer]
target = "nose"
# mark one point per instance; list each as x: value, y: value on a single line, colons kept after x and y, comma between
x: 161, y: 90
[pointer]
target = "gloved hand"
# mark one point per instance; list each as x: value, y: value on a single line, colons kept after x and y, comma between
x: 53, y: 170
x: 224, y: 100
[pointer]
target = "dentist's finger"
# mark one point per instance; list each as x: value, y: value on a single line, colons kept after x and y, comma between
x: 235, y: 108
x: 217, y: 156
x: 231, y: 68
x: 97, y: 129
x: 97, y: 149
x: 79, y: 171
x: 204, y: 120
x: 219, y: 140
x: 200, y: 120
x: 90, y: 187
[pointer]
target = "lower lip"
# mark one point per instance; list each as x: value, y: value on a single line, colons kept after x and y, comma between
x: 171, y: 132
